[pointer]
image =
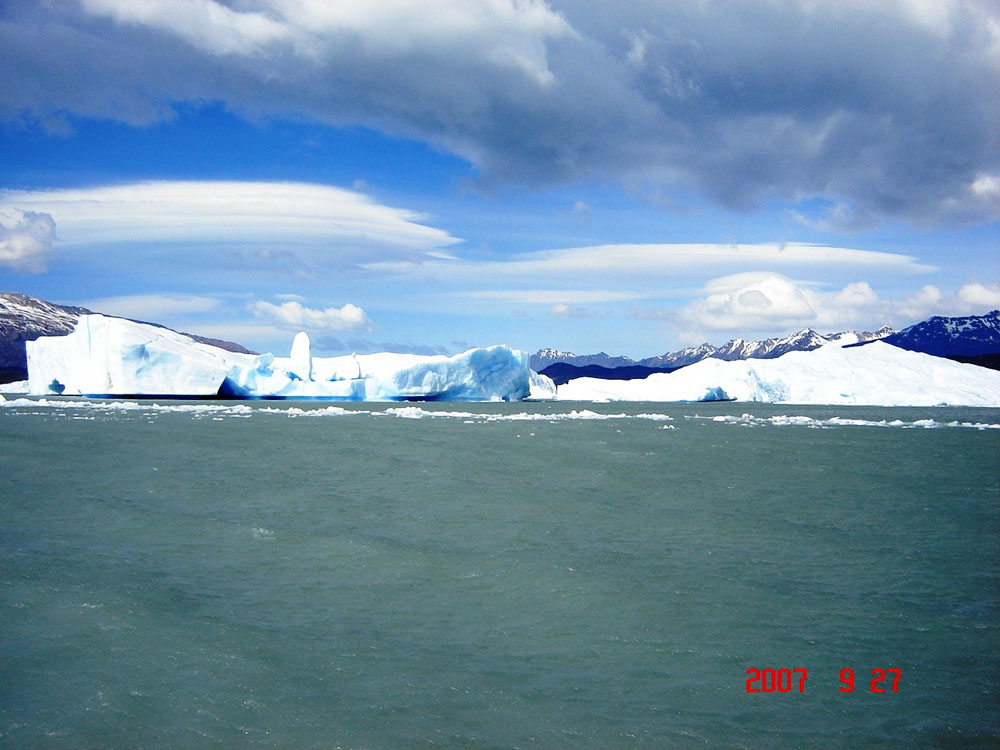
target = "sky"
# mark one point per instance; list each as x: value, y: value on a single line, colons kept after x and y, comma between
x: 430, y: 176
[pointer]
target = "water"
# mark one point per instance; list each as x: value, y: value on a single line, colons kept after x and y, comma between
x: 496, y: 575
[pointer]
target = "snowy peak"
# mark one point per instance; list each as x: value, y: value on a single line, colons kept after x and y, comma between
x: 552, y: 354
x: 881, y: 333
x: 804, y: 340
x: 28, y: 318
x: 968, y: 336
x: 801, y: 341
x: 680, y: 358
x: 545, y: 357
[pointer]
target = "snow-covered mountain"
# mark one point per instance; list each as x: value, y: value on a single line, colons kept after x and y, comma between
x: 878, y: 374
x: 682, y: 357
x: 24, y: 318
x: 969, y: 336
x: 804, y: 340
x: 545, y: 357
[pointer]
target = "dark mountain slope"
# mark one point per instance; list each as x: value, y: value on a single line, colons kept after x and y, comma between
x: 970, y: 336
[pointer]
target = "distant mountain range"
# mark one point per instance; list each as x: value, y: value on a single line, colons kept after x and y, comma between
x: 974, y: 339
x: 24, y: 318
x: 804, y: 340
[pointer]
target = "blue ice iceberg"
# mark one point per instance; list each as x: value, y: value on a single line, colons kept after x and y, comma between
x: 106, y: 356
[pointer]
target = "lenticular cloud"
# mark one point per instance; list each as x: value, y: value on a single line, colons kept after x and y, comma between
x: 249, y: 212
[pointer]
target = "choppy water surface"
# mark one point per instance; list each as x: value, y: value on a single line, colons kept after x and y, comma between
x: 496, y: 575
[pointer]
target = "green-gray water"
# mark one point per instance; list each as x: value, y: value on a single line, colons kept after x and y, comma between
x: 496, y: 575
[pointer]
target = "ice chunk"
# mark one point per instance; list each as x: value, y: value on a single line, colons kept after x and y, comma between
x: 541, y: 387
x: 113, y: 357
x: 301, y: 357
x: 18, y: 386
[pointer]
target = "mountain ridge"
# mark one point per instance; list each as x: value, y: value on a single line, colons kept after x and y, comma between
x: 805, y: 339
x: 967, y: 336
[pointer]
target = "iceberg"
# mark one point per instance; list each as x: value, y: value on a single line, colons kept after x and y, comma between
x: 106, y: 356
x: 876, y: 374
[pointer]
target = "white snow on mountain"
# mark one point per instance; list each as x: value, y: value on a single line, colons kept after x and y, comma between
x: 112, y: 357
x: 27, y: 314
x: 804, y: 340
x: 876, y: 374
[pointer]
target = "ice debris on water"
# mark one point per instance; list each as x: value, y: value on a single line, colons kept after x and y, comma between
x: 72, y: 407
x: 805, y: 421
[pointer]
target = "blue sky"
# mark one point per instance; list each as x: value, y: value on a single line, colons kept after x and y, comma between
x: 426, y: 177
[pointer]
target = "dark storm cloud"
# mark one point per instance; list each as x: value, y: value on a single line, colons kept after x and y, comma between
x: 881, y: 109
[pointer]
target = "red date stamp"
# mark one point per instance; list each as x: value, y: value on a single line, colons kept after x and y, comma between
x: 788, y: 680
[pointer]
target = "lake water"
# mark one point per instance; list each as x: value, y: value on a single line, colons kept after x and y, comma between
x: 497, y: 575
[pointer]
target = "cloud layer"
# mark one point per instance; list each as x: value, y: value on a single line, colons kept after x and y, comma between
x: 771, y: 304
x: 27, y: 243
x: 881, y: 109
x: 244, y: 212
x: 296, y: 316
x: 154, y: 308
x: 645, y: 267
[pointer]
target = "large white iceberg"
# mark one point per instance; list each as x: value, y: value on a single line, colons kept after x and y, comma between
x: 106, y: 356
x: 875, y: 374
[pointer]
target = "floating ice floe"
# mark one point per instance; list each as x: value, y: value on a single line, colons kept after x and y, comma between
x: 783, y: 420
x: 114, y: 357
x: 87, y: 409
x: 18, y: 386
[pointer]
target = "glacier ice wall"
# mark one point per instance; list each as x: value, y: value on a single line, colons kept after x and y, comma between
x: 114, y: 357
x: 111, y: 356
x: 877, y: 374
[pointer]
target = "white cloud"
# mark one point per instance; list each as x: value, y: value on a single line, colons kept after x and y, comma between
x: 752, y: 301
x: 295, y: 315
x: 568, y: 311
x: 250, y: 213
x: 652, y: 263
x: 206, y: 24
x: 980, y: 198
x: 742, y: 104
x: 771, y: 304
x: 548, y: 297
x: 25, y: 245
x: 154, y: 308
x: 501, y: 33
x: 979, y: 296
